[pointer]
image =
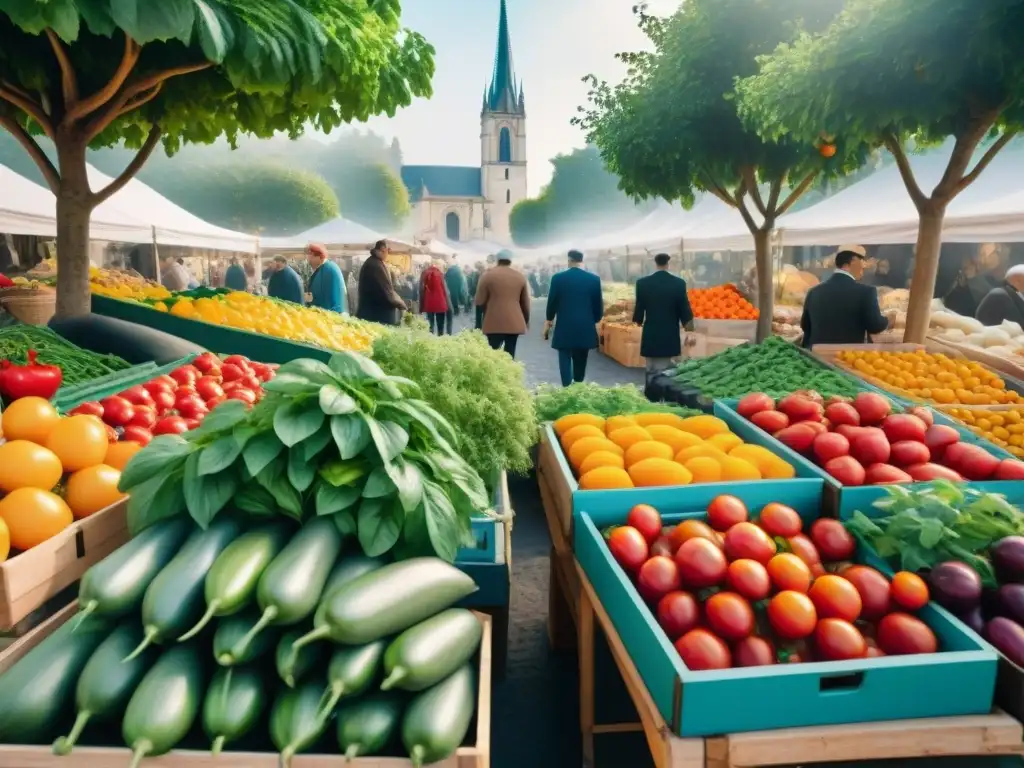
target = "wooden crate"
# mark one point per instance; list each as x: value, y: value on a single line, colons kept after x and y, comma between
x: 1004, y: 365
x: 556, y: 494
x: 16, y: 756
x: 31, y: 578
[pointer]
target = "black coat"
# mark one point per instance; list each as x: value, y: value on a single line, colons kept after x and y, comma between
x: 1003, y: 303
x: 378, y: 302
x: 841, y: 311
x: 662, y: 306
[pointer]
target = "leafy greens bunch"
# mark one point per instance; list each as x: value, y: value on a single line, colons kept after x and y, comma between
x: 341, y: 439
x: 552, y: 403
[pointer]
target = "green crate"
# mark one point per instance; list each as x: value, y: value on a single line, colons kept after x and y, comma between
x: 111, y: 385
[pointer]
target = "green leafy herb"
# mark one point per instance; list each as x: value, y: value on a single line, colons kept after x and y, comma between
x: 552, y: 403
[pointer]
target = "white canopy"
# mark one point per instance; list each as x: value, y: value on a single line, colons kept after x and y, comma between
x: 993, y: 221
x: 336, y: 233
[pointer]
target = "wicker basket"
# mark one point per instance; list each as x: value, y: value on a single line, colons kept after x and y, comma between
x: 32, y: 308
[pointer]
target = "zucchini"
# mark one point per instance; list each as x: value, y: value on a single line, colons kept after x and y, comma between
x: 230, y: 630
x: 173, y: 601
x: 351, y: 672
x: 291, y: 586
x: 293, y: 665
x: 392, y: 599
x: 106, y: 682
x: 295, y: 722
x: 164, y: 706
x: 436, y: 721
x: 231, y: 581
x: 233, y: 704
x: 427, y: 653
x: 37, y: 692
x: 115, y: 585
x: 368, y: 725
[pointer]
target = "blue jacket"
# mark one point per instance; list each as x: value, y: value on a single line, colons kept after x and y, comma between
x: 576, y: 306
x: 234, y: 278
x: 457, y: 287
x: 328, y: 287
x: 285, y: 284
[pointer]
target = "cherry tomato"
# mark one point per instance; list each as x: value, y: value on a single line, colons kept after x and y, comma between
x: 838, y: 640
x: 163, y: 399
x: 678, y: 613
x: 804, y: 548
x: 909, y: 591
x: 901, y: 633
x: 700, y: 649
x: 873, y: 588
x: 186, y: 374
x: 832, y: 539
x: 746, y: 540
x: 231, y: 372
x: 701, y: 564
x: 749, y: 578
x: 643, y: 517
x: 792, y: 615
x: 161, y: 382
x: 137, y: 395
x: 692, y: 529
x: 117, y: 411
x: 209, y: 388
x: 215, y: 401
x: 242, y: 394
x: 136, y: 434
x: 835, y: 598
x: 753, y: 651
x: 657, y: 577
x: 241, y: 361
x: 780, y: 520
x: 628, y: 547
x: 787, y: 571
x: 206, y: 361
x: 729, y: 616
x: 90, y: 408
x: 193, y: 423
x: 662, y: 546
x: 191, y: 407
x: 725, y: 511
x: 170, y: 425
x: 262, y: 372
x: 145, y: 417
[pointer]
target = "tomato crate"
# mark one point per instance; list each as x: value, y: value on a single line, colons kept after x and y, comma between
x: 960, y: 680
x: 71, y: 397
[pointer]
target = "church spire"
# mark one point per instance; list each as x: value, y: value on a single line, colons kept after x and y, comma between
x: 503, y: 96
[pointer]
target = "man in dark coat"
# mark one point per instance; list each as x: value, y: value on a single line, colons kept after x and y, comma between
x: 284, y: 282
x: 1004, y: 302
x: 378, y: 302
x: 841, y: 310
x: 662, y: 306
x: 575, y: 307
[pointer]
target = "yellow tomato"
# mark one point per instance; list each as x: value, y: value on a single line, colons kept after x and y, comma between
x: 91, y: 489
x: 29, y: 418
x: 33, y: 516
x: 24, y: 464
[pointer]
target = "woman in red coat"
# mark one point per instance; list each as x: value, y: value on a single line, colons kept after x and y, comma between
x: 434, y: 298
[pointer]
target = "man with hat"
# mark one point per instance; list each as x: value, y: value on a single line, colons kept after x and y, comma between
x: 842, y: 310
x: 326, y: 284
x: 284, y: 282
x: 662, y: 307
x: 575, y: 307
x: 503, y: 304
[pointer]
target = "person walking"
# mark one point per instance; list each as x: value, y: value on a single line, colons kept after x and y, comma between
x: 326, y: 284
x: 841, y: 310
x: 234, y: 276
x: 575, y: 307
x: 378, y: 302
x: 455, y: 281
x: 503, y: 304
x: 433, y: 298
x: 284, y: 282
x: 661, y: 307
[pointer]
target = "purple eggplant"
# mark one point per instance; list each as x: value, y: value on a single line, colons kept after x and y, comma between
x: 1011, y: 602
x: 955, y: 586
x: 1008, y: 637
x: 974, y: 619
x: 1008, y: 559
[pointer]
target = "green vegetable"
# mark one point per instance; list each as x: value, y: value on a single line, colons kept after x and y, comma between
x: 115, y: 586
x: 351, y: 672
x: 293, y: 664
x: 77, y: 365
x: 228, y: 646
x: 367, y: 725
x: 173, y: 601
x: 231, y: 582
x: 430, y: 651
x: 234, y: 702
x: 295, y: 722
x: 552, y: 402
x: 107, y: 682
x: 37, y: 691
x: 436, y: 721
x: 165, y: 705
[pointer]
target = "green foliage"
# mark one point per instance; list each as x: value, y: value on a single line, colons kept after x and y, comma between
x: 373, y: 194
x: 528, y: 221
x: 552, y: 403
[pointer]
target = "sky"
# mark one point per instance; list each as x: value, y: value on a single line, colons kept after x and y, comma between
x: 554, y: 44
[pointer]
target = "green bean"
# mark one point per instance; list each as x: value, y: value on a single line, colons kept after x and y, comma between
x: 78, y: 365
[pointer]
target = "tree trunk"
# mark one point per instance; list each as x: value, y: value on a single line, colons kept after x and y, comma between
x: 926, y: 267
x: 74, y: 208
x: 765, y: 287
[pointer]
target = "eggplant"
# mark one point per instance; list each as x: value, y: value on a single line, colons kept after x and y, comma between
x: 955, y: 586
x: 1011, y: 602
x: 974, y: 619
x: 1008, y: 637
x: 1007, y: 557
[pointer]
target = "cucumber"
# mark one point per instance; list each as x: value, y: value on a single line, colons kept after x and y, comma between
x: 293, y: 665
x: 37, y: 692
x: 165, y: 705
x: 436, y: 721
x: 392, y: 599
x: 427, y: 653
x: 231, y: 582
x: 107, y: 682
x: 368, y: 725
x: 115, y: 585
x: 173, y: 601
x: 295, y: 723
x: 291, y: 586
x: 234, y: 702
x: 351, y: 672
x: 230, y: 630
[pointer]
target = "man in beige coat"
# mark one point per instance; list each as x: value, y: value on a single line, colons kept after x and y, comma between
x: 504, y: 299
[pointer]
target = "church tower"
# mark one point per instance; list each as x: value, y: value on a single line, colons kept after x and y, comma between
x: 502, y: 139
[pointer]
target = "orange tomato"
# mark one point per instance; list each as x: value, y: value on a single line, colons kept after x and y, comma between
x: 33, y: 516
x: 28, y: 465
x: 5, y: 540
x: 91, y: 489
x: 30, y: 418
x: 79, y: 442
x: 118, y: 454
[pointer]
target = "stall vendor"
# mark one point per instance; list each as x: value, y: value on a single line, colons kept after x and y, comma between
x: 284, y: 282
x: 842, y: 310
x: 1004, y: 302
x: 326, y: 284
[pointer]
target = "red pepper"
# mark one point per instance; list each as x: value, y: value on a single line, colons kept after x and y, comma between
x: 30, y: 380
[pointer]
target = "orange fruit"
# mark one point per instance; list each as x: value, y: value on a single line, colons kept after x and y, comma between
x: 79, y: 442
x: 91, y: 489
x: 672, y: 437
x: 28, y: 465
x: 647, y: 449
x: 651, y: 473
x: 605, y: 478
x: 30, y: 418
x: 5, y: 541
x: 614, y: 423
x: 701, y: 449
x: 566, y: 423
x: 33, y: 516
x: 628, y: 436
x: 578, y: 432
x: 725, y: 441
x: 704, y: 469
x: 601, y: 459
x: 646, y: 420
x: 587, y: 445
x: 118, y: 454
x: 738, y: 469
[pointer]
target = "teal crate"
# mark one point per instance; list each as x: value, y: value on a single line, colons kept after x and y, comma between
x: 490, y: 534
x: 958, y: 681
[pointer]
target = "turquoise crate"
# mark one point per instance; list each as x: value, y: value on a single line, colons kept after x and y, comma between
x: 958, y: 681
x: 489, y: 533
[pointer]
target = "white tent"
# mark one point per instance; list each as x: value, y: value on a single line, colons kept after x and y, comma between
x: 336, y: 233
x: 993, y: 221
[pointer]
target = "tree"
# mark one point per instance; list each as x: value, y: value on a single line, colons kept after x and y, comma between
x: 671, y: 129
x: 372, y: 194
x: 528, y: 222
x: 889, y: 74
x: 96, y: 72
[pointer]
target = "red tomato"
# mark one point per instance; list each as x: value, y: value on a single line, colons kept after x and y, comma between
x: 838, y: 640
x: 192, y: 423
x: 206, y: 361
x: 251, y: 382
x: 662, y: 546
x: 692, y: 529
x: 241, y: 361
x: 701, y: 564
x: 909, y: 591
x: 137, y: 395
x: 678, y: 613
x: 242, y: 394
x: 628, y: 547
x: 835, y: 598
x: 753, y: 651
x: 749, y: 578
x: 186, y: 374
x: 700, y: 649
x: 657, y: 577
x: 261, y: 371
x: 729, y: 616
x: 746, y: 540
x: 787, y: 571
x: 780, y: 520
x: 832, y: 539
x: 804, y: 548
x: 163, y: 381
x: 136, y: 434
x: 231, y: 372
x: 725, y: 511
x: 170, y: 425
x: 117, y: 411
x: 145, y: 417
x: 644, y: 518
x: 163, y: 399
x: 90, y: 408
x: 215, y: 401
x: 792, y: 615
x: 194, y: 407
x: 209, y: 388
x: 874, y: 653
x: 901, y: 633
x: 873, y: 588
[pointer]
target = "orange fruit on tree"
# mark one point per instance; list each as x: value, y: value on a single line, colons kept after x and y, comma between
x: 79, y: 442
x: 33, y: 515
x: 27, y: 465
x: 118, y: 454
x: 29, y: 418
x: 91, y: 489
